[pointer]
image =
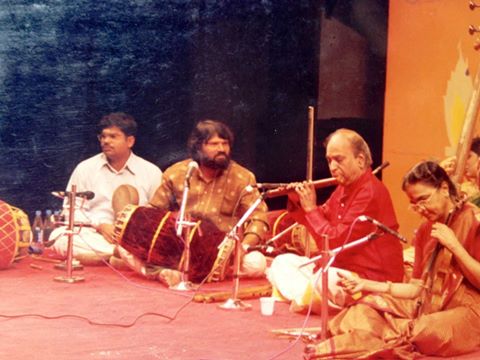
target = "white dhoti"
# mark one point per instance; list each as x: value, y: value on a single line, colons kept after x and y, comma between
x: 299, y: 284
x: 254, y: 264
x: 88, y: 245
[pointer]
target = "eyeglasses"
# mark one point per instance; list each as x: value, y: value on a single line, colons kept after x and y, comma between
x: 420, y: 204
x: 103, y: 137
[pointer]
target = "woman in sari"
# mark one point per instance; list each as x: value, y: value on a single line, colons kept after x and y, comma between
x: 438, y: 311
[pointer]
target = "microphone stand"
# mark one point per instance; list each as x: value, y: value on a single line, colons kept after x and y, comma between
x: 234, y: 303
x: 325, y: 267
x: 184, y: 284
x: 280, y: 234
x: 335, y: 251
x: 327, y: 258
x: 71, y: 221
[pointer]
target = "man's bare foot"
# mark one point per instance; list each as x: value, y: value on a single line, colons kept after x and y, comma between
x: 170, y: 277
x: 118, y: 263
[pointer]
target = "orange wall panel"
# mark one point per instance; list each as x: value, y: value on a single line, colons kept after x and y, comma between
x: 431, y: 62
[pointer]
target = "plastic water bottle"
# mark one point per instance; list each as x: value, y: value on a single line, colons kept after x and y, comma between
x: 48, y: 225
x: 36, y: 247
x: 57, y: 214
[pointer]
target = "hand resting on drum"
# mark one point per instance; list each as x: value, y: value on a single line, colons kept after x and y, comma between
x: 107, y: 231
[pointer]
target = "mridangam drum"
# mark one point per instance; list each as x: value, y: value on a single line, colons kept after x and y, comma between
x: 287, y: 236
x: 9, y: 235
x: 150, y: 234
x: 24, y: 233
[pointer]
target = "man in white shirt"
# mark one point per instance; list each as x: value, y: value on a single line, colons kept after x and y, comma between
x: 117, y: 177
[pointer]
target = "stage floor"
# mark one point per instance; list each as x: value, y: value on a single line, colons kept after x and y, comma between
x: 112, y: 315
x: 119, y: 315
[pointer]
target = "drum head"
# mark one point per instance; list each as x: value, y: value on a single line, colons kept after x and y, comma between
x: 8, y: 235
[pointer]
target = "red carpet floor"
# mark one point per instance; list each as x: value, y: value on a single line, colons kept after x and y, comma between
x: 70, y: 321
x: 122, y: 316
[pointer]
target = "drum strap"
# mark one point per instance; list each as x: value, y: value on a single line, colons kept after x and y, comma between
x: 277, y: 222
x: 157, y: 232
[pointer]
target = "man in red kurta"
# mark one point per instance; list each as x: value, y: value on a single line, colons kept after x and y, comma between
x: 359, y: 193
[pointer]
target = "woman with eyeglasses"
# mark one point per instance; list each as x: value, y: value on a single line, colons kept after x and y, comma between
x: 438, y: 311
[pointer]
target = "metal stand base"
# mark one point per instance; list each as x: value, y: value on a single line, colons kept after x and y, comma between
x: 235, y: 304
x: 69, y: 280
x: 184, y: 286
x: 75, y: 265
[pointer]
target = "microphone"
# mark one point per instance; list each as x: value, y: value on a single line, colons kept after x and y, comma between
x: 192, y: 165
x: 269, y: 246
x: 89, y: 195
x: 382, y: 226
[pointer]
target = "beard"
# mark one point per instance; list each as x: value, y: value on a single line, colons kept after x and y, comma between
x: 218, y: 162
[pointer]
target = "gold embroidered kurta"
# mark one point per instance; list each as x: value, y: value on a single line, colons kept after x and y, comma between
x: 222, y: 200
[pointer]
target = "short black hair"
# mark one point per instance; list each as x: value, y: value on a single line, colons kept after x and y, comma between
x: 123, y: 121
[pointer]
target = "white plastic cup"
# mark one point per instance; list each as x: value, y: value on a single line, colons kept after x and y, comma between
x: 267, y: 305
